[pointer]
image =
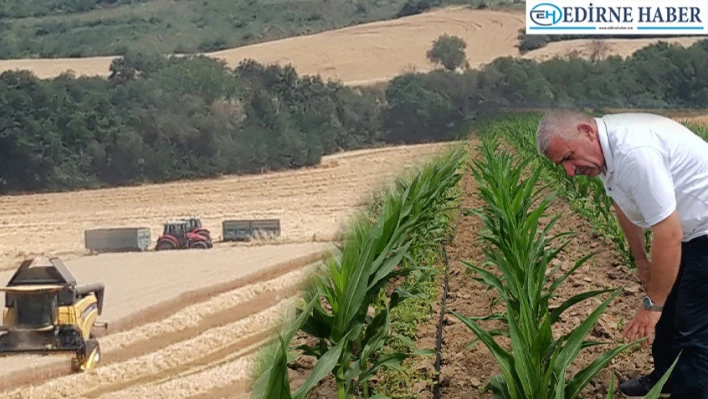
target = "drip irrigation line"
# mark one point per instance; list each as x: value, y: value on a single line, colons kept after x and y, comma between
x: 438, y: 343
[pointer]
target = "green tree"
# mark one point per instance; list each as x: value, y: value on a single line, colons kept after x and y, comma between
x: 448, y: 51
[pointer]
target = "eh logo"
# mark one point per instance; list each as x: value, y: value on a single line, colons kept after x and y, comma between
x: 546, y: 14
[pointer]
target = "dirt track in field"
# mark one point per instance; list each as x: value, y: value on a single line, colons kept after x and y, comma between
x: 464, y: 371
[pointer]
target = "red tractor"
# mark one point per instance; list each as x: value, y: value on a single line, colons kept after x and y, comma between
x: 177, y: 235
x: 194, y: 225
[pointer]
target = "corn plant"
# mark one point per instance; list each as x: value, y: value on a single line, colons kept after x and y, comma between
x: 336, y: 312
x: 521, y: 251
x: 585, y: 195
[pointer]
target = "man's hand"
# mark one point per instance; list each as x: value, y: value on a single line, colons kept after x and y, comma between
x: 642, y: 325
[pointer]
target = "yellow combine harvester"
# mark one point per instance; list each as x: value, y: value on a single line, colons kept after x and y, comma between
x: 47, y: 312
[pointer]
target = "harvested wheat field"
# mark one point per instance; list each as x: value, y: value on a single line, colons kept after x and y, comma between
x: 202, y: 347
x: 311, y: 204
x: 586, y: 48
x: 359, y: 54
x: 198, y: 315
x: 377, y: 51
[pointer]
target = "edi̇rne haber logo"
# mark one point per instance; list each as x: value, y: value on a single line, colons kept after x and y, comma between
x: 613, y: 17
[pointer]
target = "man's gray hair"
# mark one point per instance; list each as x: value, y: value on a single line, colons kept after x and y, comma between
x: 561, y: 123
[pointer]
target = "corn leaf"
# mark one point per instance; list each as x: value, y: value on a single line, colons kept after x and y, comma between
x: 504, y: 359
x: 655, y: 391
x: 322, y: 368
x: 582, y: 378
x: 274, y: 382
x: 572, y: 347
x: 568, y: 303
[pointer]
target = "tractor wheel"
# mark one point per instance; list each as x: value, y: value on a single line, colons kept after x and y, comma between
x: 199, y: 245
x: 163, y: 245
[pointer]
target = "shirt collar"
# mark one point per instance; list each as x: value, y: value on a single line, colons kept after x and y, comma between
x: 605, y: 144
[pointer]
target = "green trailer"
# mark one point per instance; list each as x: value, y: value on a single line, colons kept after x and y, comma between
x: 246, y: 230
x: 117, y: 239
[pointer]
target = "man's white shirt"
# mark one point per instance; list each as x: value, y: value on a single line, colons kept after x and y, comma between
x: 655, y: 165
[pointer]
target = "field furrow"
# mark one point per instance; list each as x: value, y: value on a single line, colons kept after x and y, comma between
x: 201, y: 384
x: 188, y: 322
x: 178, y: 357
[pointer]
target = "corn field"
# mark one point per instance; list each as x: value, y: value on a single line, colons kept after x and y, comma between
x: 345, y: 310
x: 519, y: 252
x: 345, y: 313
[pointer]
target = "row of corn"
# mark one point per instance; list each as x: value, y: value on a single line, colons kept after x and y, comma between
x: 345, y: 312
x: 587, y: 196
x: 519, y: 251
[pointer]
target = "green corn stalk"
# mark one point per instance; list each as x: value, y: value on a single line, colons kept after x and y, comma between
x: 521, y: 251
x: 349, y: 339
x: 586, y: 195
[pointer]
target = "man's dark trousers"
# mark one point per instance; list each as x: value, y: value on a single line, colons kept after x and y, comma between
x: 683, y: 326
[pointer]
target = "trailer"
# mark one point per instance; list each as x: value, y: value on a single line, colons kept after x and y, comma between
x: 246, y: 230
x: 117, y: 239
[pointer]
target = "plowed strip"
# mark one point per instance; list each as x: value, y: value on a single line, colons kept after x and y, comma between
x: 167, y: 308
x: 195, y: 385
x: 241, y: 311
x: 227, y: 392
x: 188, y: 322
x: 170, y: 358
x: 234, y: 351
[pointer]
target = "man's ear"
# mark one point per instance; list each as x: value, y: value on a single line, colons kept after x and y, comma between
x: 586, y: 130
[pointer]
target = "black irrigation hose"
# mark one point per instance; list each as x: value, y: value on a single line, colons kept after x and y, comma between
x: 438, y: 343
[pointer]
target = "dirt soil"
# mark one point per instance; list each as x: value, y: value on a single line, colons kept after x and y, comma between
x: 465, y: 371
x: 311, y: 204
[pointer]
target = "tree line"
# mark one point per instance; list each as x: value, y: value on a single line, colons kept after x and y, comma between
x: 527, y: 43
x: 158, y: 119
x: 432, y: 105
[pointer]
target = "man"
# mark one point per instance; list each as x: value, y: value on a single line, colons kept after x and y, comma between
x: 656, y: 171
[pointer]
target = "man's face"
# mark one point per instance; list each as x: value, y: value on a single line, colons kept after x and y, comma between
x: 579, y: 156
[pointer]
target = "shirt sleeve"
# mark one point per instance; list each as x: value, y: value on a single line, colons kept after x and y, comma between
x: 650, y: 182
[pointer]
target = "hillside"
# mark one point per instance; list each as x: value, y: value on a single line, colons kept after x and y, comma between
x: 359, y: 54
x: 377, y: 51
x: 83, y: 28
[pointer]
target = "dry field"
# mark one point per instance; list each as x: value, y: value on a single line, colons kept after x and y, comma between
x: 201, y: 347
x: 377, y: 51
x: 311, y: 203
x: 187, y: 323
x: 358, y: 54
x: 605, y: 48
